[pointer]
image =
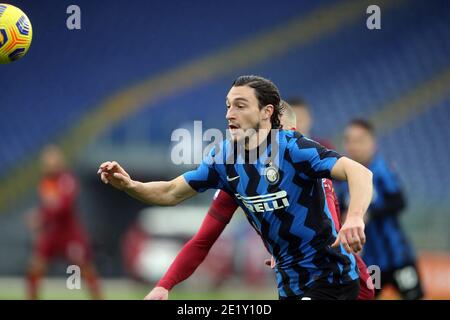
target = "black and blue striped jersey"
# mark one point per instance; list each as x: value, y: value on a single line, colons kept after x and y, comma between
x: 282, y: 195
x: 386, y: 243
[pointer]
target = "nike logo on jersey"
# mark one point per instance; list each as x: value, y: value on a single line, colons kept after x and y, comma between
x: 232, y: 179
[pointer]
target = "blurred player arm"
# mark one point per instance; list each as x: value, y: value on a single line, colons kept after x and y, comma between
x: 162, y: 193
x: 195, y: 250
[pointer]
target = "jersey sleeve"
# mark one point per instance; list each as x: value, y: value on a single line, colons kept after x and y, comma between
x: 223, y: 206
x: 205, y: 176
x: 312, y: 160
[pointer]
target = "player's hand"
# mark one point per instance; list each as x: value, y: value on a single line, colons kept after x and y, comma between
x: 270, y: 262
x: 158, y: 293
x: 351, y: 234
x: 112, y: 173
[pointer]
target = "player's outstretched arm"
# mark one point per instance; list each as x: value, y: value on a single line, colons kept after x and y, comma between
x: 360, y: 186
x: 161, y: 193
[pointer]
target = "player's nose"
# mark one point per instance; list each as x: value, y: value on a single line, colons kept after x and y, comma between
x: 231, y: 115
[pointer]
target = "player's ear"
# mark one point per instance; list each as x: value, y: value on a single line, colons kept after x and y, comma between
x: 267, y: 111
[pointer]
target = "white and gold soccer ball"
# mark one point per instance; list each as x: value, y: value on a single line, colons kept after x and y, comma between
x: 15, y: 33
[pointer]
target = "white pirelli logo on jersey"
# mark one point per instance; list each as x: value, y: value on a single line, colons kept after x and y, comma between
x: 264, y: 203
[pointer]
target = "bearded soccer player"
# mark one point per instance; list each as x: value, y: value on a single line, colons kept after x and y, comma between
x: 283, y: 199
x: 220, y: 213
x: 59, y: 232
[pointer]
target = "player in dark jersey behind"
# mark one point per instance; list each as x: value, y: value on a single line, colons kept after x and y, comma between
x: 387, y: 246
x: 57, y: 228
x: 283, y: 199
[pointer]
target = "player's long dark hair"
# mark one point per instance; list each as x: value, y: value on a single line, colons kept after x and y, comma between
x: 266, y: 93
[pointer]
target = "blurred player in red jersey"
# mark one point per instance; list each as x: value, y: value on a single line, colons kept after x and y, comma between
x: 220, y: 213
x: 57, y: 228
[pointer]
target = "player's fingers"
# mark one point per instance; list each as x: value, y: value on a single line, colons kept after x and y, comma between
x: 123, y: 179
x: 104, y: 164
x: 356, y: 246
x: 336, y: 242
x: 104, y: 167
x: 104, y: 178
x: 356, y: 234
x: 344, y: 242
x: 356, y: 242
x: 352, y: 238
x: 347, y: 248
x: 362, y: 235
x: 110, y: 165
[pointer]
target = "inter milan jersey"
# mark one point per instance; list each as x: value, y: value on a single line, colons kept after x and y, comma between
x: 386, y: 244
x: 281, y: 192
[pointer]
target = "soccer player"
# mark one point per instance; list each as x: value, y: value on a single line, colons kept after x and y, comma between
x: 387, y: 245
x: 59, y: 232
x: 284, y: 201
x: 221, y: 211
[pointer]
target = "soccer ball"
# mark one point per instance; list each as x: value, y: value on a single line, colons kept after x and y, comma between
x: 15, y: 33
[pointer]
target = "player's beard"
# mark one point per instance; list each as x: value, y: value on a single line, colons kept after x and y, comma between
x: 255, y: 131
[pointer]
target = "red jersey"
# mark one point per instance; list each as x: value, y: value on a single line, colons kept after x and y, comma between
x: 61, y: 232
x: 57, y: 202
